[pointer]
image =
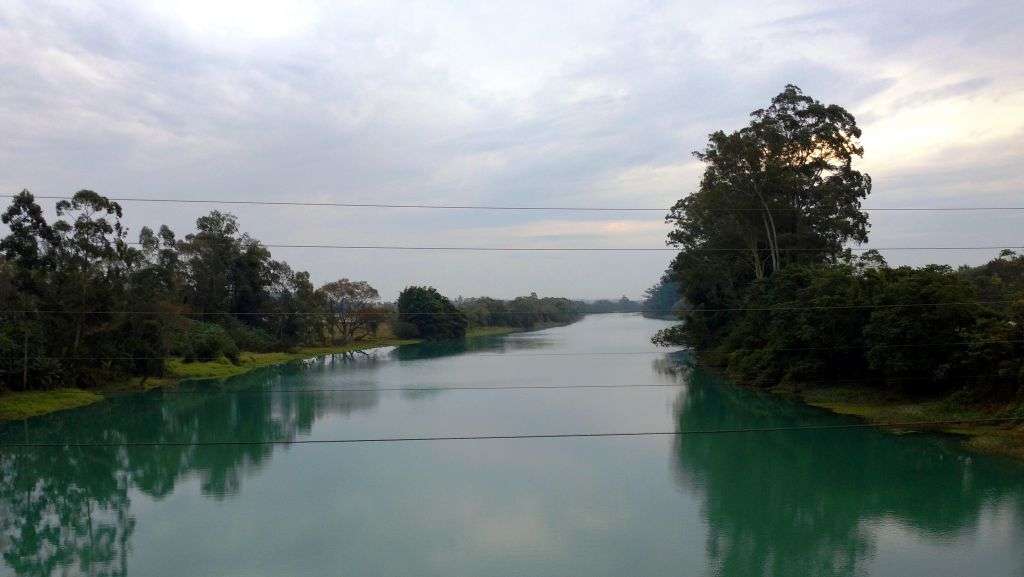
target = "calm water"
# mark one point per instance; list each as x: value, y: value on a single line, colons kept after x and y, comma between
x: 842, y: 502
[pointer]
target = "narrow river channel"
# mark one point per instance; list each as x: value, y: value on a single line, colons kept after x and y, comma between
x: 800, y: 503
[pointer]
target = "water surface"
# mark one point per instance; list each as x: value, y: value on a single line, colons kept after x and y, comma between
x: 839, y: 502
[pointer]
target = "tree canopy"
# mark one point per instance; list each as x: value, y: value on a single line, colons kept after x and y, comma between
x: 82, y: 305
x: 662, y: 300
x: 425, y: 313
x: 773, y: 293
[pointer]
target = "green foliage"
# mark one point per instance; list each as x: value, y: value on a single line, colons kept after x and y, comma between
x: 783, y: 182
x: 251, y: 338
x: 920, y: 330
x: 662, y: 301
x: 354, y: 310
x: 521, y: 312
x: 26, y: 404
x: 621, y: 305
x: 433, y: 315
x: 81, y: 307
x: 793, y: 305
x: 891, y: 328
x: 405, y: 330
x: 206, y: 342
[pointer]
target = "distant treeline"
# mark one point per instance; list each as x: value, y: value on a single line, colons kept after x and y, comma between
x: 522, y: 312
x: 531, y: 311
x: 662, y: 301
x: 81, y: 305
x: 773, y: 295
x: 621, y: 305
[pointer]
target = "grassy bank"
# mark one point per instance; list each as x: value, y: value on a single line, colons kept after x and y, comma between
x: 886, y: 407
x: 492, y: 331
x: 22, y: 405
x: 223, y: 368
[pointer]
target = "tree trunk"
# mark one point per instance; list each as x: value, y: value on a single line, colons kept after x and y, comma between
x: 78, y: 334
x: 758, y: 261
x: 769, y: 227
x: 24, y: 363
x: 771, y: 244
x: 777, y: 259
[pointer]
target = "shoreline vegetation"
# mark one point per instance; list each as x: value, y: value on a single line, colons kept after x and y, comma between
x: 83, y: 306
x: 772, y: 294
x: 19, y: 405
x: 878, y: 408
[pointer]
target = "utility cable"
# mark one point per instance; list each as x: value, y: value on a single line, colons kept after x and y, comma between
x: 372, y: 313
x: 514, y: 207
x: 609, y: 249
x: 209, y: 390
x: 365, y: 440
x: 872, y: 381
x: 592, y: 353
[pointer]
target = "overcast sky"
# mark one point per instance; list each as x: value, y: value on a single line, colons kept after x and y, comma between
x: 526, y: 103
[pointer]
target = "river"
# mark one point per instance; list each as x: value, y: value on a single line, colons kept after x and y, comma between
x: 839, y: 502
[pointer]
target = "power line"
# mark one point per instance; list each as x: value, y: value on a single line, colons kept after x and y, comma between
x: 841, y: 307
x: 365, y: 440
x: 872, y: 381
x: 869, y: 381
x: 515, y: 208
x: 591, y: 353
x: 606, y: 249
x: 580, y: 354
x: 883, y: 346
x: 372, y: 313
x: 415, y: 388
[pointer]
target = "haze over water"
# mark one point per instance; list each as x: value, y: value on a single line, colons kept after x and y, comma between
x: 838, y: 502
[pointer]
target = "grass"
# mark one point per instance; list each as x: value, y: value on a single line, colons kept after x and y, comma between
x: 25, y: 404
x: 223, y: 368
x: 491, y: 331
x: 880, y: 407
x: 22, y: 405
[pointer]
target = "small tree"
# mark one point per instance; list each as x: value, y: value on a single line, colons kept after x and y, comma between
x: 433, y: 315
x: 353, y: 308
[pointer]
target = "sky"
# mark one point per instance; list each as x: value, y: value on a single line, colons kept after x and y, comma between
x: 521, y: 103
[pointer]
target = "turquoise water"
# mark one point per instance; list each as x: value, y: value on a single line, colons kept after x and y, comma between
x: 838, y: 502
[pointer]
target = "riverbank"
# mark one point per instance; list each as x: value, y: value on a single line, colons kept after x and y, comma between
x: 26, y: 404
x: 223, y: 368
x: 880, y: 407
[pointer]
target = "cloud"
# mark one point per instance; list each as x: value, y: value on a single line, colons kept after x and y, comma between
x: 487, y: 104
x: 605, y: 232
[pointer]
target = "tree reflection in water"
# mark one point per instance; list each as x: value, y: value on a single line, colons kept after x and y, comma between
x: 783, y: 503
x: 797, y: 503
x: 67, y: 511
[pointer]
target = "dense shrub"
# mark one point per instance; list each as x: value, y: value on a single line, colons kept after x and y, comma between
x: 923, y: 330
x: 249, y: 338
x: 405, y: 330
x: 523, y: 312
x: 205, y: 342
x: 434, y: 316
